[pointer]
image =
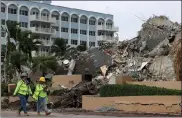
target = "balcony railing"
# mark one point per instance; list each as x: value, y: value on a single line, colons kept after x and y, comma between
x: 43, y: 30
x: 108, y: 28
x: 101, y: 38
x: 43, y: 19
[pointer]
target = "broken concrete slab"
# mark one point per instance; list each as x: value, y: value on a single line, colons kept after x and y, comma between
x: 162, y: 68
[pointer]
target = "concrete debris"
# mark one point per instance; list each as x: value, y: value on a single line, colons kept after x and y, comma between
x: 139, y: 57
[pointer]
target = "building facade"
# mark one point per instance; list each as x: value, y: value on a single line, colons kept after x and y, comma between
x: 49, y: 21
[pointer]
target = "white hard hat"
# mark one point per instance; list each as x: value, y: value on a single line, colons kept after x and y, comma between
x: 65, y: 62
x: 24, y: 75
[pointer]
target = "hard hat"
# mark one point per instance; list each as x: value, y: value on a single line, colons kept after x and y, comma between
x: 24, y: 75
x: 65, y: 62
x: 42, y: 79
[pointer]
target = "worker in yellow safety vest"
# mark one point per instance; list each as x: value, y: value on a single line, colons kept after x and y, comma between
x: 40, y: 96
x: 23, y: 90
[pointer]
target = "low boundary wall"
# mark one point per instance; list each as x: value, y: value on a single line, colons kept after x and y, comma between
x: 145, y: 104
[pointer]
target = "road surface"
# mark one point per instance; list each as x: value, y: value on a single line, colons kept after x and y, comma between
x: 85, y: 115
x: 33, y: 114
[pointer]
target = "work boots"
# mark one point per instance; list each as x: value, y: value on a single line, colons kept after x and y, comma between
x: 47, y: 113
x: 26, y: 114
x: 38, y: 113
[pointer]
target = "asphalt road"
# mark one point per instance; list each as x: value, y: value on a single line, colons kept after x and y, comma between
x: 33, y: 114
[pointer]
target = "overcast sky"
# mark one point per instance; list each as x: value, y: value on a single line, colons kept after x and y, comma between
x: 125, y: 12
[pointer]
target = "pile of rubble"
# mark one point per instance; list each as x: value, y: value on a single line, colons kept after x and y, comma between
x: 147, y: 56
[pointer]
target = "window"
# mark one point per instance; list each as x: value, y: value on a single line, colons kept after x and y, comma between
x: 74, y: 42
x: 74, y: 31
x: 33, y: 13
x: 91, y: 33
x: 24, y: 12
x: 100, y: 33
x: 66, y: 41
x: 24, y: 24
x: 3, y: 34
x: 83, y: 32
x: 100, y: 23
x: 3, y: 9
x: 64, y: 29
x: 11, y: 21
x: 55, y: 16
x: 47, y: 40
x: 74, y: 20
x: 91, y: 22
x: 92, y: 44
x: 56, y: 28
x: 109, y: 24
x: 12, y: 11
x: 100, y: 43
x: 109, y: 34
x: 83, y: 21
x: 83, y: 42
x: 64, y: 18
x: 2, y: 22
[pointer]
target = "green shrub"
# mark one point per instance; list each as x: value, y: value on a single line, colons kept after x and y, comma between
x: 4, y: 89
x: 82, y: 47
x: 135, y: 90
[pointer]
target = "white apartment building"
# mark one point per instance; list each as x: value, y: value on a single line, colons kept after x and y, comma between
x: 76, y: 26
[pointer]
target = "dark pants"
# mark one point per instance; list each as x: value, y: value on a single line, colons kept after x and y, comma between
x: 23, y: 102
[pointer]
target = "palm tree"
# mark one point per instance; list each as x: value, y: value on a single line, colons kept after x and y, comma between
x: 44, y: 64
x: 61, y: 49
x: 28, y: 43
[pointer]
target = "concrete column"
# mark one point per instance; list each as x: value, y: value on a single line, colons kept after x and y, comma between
x: 6, y: 12
x: 18, y: 14
x: 96, y: 34
x: 69, y: 30
x: 60, y: 23
x: 88, y: 32
x: 79, y: 30
x: 29, y: 18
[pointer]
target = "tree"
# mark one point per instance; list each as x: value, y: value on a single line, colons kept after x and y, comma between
x: 20, y: 45
x: 59, y: 47
x: 62, y: 50
x: 44, y: 64
x: 82, y: 47
x: 28, y: 42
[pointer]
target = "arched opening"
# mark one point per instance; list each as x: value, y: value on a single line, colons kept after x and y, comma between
x: 92, y: 21
x: 3, y: 7
x: 65, y: 17
x: 109, y: 23
x: 12, y: 9
x: 74, y: 18
x: 83, y: 19
x: 55, y: 14
x: 45, y: 14
x: 101, y: 21
x: 35, y: 11
x: 24, y: 10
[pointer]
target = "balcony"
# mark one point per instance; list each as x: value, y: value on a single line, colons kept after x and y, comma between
x: 43, y: 19
x: 107, y: 28
x: 108, y: 38
x: 56, y: 23
x: 40, y: 30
